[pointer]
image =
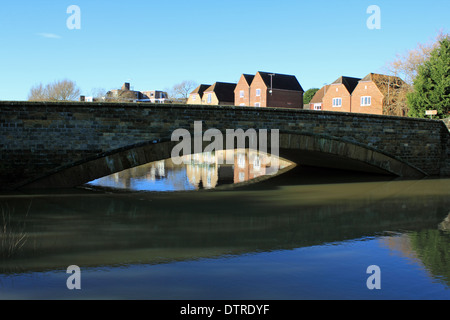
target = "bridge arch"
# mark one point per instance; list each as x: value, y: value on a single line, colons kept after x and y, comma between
x: 330, y: 152
x: 45, y: 141
x: 302, y: 149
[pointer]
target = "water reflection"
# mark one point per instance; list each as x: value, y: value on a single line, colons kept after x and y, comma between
x: 287, y: 242
x: 199, y: 171
x: 429, y: 249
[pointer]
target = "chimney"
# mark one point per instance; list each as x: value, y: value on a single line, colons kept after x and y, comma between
x: 82, y: 98
x: 126, y: 87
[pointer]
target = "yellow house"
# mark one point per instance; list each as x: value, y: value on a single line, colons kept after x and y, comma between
x: 196, y: 96
x: 220, y: 93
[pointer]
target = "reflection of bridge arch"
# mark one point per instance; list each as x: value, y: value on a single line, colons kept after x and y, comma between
x: 310, y: 150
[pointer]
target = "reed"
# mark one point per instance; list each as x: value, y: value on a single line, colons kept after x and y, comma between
x: 12, y: 236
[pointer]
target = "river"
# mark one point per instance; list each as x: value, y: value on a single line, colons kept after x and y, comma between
x: 308, y: 233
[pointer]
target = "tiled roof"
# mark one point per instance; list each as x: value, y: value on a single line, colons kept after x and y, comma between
x: 384, y: 82
x: 281, y: 81
x: 223, y: 90
x: 382, y: 79
x: 349, y: 82
x: 201, y: 88
x: 249, y: 78
x: 318, y: 97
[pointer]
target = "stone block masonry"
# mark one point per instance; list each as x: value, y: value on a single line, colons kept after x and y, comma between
x: 41, y: 138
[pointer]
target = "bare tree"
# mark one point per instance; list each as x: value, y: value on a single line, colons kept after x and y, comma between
x: 61, y: 90
x: 98, y: 94
x: 38, y: 93
x: 406, y: 65
x: 395, y: 91
x: 180, y: 92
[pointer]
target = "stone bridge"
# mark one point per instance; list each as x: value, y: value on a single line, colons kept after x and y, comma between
x: 63, y: 144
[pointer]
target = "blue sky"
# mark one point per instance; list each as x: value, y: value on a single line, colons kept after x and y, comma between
x: 156, y: 44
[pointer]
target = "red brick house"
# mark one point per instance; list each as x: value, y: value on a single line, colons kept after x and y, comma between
x: 220, y: 93
x: 338, y: 96
x: 375, y: 93
x: 242, y: 91
x: 276, y: 91
x: 317, y: 100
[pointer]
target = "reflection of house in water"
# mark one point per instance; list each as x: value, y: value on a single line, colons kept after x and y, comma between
x: 208, y: 170
x: 157, y: 170
x: 202, y: 176
x: 150, y: 172
x: 200, y: 171
x: 250, y: 164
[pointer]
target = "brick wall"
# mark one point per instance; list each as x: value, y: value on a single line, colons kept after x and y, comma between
x: 277, y: 99
x: 244, y: 86
x: 194, y: 98
x: 367, y: 88
x: 336, y: 91
x: 285, y: 99
x: 258, y: 83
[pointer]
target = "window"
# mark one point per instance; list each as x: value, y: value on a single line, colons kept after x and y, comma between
x: 258, y: 92
x: 209, y: 97
x: 257, y: 104
x: 242, y: 94
x: 337, y: 102
x: 256, y: 163
x: 366, y: 101
x: 241, y: 160
x: 194, y: 97
x: 317, y: 106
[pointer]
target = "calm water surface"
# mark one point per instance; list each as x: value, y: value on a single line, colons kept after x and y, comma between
x: 209, y: 170
x: 306, y: 234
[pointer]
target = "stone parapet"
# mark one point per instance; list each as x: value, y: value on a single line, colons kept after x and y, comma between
x: 37, y: 138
